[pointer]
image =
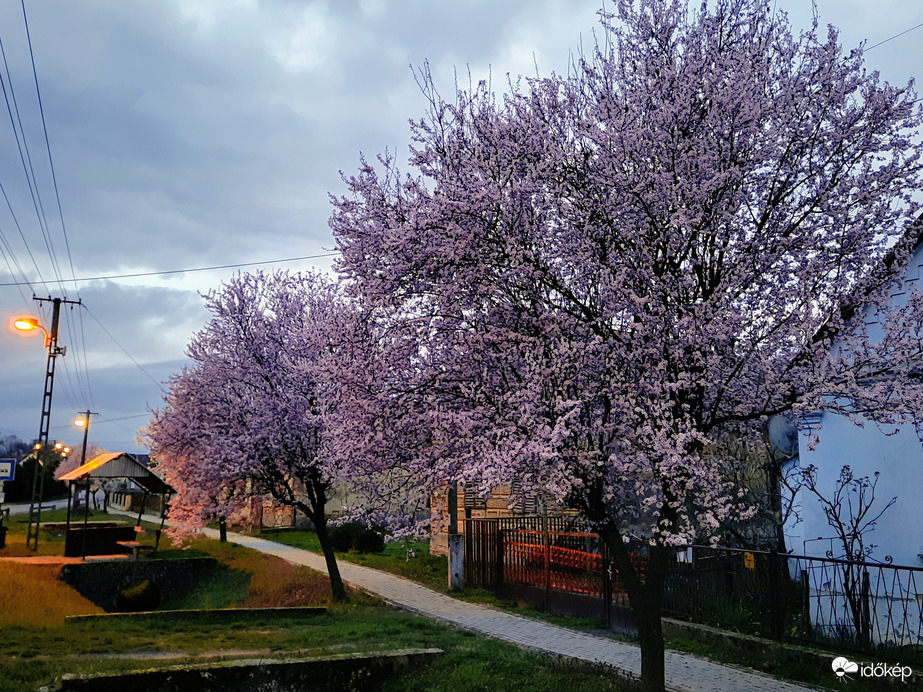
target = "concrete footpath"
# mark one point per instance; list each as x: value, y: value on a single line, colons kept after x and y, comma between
x: 683, y: 672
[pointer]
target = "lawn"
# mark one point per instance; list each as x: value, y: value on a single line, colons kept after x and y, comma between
x: 38, y: 646
x: 429, y: 570
x: 432, y: 571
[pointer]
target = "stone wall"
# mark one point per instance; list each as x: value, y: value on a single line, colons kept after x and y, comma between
x: 102, y: 581
x: 366, y: 672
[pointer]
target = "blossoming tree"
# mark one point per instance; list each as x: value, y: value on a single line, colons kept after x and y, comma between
x: 603, y: 273
x: 250, y: 416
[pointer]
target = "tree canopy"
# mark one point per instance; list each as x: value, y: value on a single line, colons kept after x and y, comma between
x: 605, y: 271
x: 250, y: 416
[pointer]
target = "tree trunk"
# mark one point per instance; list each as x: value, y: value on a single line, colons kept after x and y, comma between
x: 650, y: 634
x: 336, y: 582
x: 222, y: 530
x: 646, y: 597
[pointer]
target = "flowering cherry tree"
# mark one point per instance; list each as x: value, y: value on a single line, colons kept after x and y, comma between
x: 603, y: 273
x: 250, y: 416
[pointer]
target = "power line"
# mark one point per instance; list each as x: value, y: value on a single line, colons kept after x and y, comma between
x: 81, y: 369
x: 10, y: 258
x: 26, y: 158
x: 124, y: 350
x: 9, y: 110
x: 907, y: 31
x: 182, y: 271
x: 41, y: 111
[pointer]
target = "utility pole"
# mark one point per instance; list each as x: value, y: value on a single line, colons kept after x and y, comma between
x: 84, y: 423
x: 41, y: 449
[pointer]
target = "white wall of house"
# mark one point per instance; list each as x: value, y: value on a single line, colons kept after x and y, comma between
x: 898, y: 456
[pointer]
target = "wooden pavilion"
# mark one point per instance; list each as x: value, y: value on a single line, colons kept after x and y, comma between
x: 86, y: 539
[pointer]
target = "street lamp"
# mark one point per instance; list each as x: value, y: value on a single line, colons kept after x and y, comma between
x: 83, y: 422
x: 27, y: 324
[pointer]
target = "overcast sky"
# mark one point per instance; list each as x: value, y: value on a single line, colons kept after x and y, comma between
x: 198, y: 133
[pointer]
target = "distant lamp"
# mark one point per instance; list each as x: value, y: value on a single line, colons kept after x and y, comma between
x: 84, y: 422
x: 27, y: 324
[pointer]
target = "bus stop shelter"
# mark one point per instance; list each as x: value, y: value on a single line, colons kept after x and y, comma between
x: 110, y: 466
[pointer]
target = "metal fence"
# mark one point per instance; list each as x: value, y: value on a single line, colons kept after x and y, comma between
x: 851, y: 605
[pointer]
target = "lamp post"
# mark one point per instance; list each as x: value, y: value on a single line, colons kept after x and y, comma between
x: 51, y: 343
x: 83, y: 422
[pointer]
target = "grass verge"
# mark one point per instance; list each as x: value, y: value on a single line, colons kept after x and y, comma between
x: 432, y: 573
x: 41, y: 648
x: 426, y: 569
x: 37, y: 656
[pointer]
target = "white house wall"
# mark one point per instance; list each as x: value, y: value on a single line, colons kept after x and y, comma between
x: 898, y: 458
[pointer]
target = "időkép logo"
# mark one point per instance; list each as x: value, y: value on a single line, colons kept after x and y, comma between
x: 843, y: 667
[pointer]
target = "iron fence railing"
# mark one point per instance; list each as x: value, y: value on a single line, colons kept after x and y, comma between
x: 856, y: 605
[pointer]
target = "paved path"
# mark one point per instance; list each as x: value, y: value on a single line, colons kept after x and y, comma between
x: 683, y: 672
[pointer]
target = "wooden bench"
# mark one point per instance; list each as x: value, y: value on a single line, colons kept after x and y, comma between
x: 135, y: 547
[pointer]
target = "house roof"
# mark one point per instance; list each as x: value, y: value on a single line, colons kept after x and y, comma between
x: 119, y: 465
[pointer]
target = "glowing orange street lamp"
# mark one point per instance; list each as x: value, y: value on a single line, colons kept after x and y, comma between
x: 27, y: 324
x: 84, y: 422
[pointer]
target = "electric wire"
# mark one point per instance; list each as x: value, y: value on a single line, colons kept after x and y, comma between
x: 80, y: 367
x: 906, y: 31
x: 111, y: 277
x: 26, y: 159
x: 124, y: 350
x: 41, y: 111
x: 3, y: 189
x: 6, y: 249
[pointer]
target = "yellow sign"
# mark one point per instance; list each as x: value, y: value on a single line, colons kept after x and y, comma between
x: 749, y: 561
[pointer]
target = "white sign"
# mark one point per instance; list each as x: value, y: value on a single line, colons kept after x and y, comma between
x: 7, y: 469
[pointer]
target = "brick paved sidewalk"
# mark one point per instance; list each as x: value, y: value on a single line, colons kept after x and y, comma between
x: 683, y: 672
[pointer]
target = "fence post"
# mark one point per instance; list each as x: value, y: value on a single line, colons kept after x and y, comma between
x: 776, y: 598
x: 546, y: 539
x: 607, y: 586
x: 498, y: 575
x: 456, y: 562
x: 866, y: 633
x: 806, y: 601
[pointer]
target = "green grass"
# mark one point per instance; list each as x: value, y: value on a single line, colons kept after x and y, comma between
x: 429, y: 570
x: 249, y: 578
x: 24, y: 586
x: 37, y: 652
x: 433, y: 573
x: 36, y: 656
